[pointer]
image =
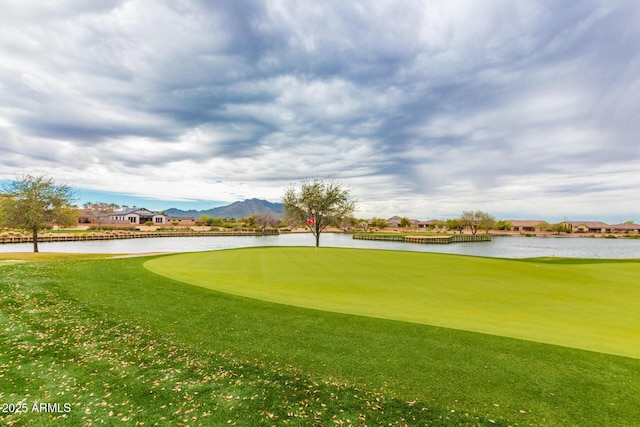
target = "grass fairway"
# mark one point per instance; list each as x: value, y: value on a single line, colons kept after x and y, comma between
x: 591, y: 305
x: 123, y: 345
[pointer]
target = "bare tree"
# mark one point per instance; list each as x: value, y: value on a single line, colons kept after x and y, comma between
x: 100, y: 211
x: 265, y: 220
x: 477, y: 220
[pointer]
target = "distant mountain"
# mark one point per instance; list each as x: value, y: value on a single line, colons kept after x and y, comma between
x: 242, y: 209
x: 179, y: 212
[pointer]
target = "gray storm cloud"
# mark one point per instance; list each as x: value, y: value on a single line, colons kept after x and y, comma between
x: 425, y: 107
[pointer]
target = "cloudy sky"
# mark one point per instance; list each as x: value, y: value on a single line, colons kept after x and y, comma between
x: 524, y: 109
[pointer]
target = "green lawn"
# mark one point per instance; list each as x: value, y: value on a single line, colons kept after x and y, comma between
x: 591, y: 306
x: 123, y: 345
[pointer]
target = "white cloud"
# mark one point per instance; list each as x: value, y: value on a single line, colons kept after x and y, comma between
x: 424, y: 109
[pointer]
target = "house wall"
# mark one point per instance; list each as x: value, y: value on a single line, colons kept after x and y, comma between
x: 591, y: 227
x: 526, y: 225
x: 134, y: 218
x: 181, y: 221
x: 130, y: 219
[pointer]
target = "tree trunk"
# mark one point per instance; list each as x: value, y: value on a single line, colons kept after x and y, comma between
x: 35, y: 240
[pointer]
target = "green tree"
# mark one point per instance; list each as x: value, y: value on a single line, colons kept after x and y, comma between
x: 248, y: 222
x: 504, y: 225
x: 35, y: 202
x: 405, y: 222
x: 379, y: 223
x: 455, y: 225
x: 487, y: 222
x: 544, y: 226
x: 318, y: 205
x: 560, y: 228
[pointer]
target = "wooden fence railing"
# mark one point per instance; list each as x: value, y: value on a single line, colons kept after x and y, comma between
x: 454, y: 238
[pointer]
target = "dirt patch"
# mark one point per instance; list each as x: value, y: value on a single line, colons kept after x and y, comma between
x: 141, y: 254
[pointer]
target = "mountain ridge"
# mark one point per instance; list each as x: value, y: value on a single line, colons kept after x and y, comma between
x: 243, y: 209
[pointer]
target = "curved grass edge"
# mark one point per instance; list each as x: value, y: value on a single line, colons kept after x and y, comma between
x: 555, y: 301
x: 113, y: 370
x: 496, y: 379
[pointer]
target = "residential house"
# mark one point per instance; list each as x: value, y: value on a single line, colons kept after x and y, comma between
x: 138, y: 216
x: 626, y: 228
x: 594, y: 227
x: 529, y: 225
x: 426, y: 224
x: 396, y: 221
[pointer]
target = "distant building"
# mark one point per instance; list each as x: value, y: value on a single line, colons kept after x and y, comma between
x: 598, y: 227
x: 138, y: 216
x: 587, y: 226
x: 526, y: 225
x: 626, y: 228
x: 396, y: 222
x: 182, y: 220
x: 432, y: 223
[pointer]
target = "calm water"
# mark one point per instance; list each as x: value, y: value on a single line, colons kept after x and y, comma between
x: 504, y: 247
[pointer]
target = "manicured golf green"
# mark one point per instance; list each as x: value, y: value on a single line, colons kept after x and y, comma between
x: 588, y: 305
x: 122, y: 344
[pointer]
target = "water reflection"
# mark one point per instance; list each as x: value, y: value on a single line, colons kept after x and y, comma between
x: 504, y: 247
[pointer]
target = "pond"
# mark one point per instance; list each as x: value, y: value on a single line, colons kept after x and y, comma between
x: 502, y: 247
